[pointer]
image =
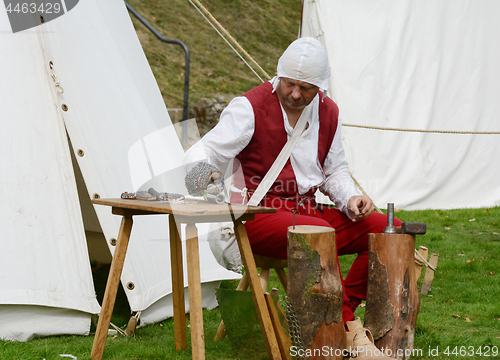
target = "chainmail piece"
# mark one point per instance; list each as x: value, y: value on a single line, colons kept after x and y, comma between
x: 204, y: 177
x: 147, y: 196
x: 293, y: 325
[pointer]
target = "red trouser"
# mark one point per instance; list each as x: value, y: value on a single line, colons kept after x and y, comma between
x: 268, y: 237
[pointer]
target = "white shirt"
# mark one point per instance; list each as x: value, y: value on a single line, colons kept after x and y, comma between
x: 235, y: 130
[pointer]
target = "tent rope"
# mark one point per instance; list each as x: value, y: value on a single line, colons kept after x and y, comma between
x: 426, y: 263
x: 360, y: 188
x: 120, y: 331
x: 425, y: 131
x: 206, y: 14
x: 59, y: 88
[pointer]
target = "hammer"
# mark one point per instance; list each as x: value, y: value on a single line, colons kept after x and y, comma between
x: 412, y: 228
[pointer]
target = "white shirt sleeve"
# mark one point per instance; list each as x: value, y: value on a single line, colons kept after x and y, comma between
x: 338, y: 186
x: 227, y: 139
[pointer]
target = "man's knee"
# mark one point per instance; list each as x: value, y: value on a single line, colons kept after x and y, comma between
x: 311, y: 220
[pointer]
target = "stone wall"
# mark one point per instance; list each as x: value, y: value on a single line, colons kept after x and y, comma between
x: 205, y: 111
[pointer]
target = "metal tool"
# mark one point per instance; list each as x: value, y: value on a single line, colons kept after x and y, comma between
x: 164, y: 196
x: 413, y: 228
x: 390, y: 228
x: 294, y: 212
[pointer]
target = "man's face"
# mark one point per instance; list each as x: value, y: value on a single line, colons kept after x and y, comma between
x: 296, y: 94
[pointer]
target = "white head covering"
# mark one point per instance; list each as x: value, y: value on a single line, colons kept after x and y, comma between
x: 305, y: 60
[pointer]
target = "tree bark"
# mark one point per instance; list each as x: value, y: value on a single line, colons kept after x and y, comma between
x: 392, y: 302
x: 315, y: 289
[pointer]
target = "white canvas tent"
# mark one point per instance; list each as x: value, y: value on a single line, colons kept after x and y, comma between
x: 83, y: 76
x: 425, y: 65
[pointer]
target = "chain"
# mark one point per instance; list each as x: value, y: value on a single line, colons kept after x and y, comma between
x: 293, y: 325
x: 173, y: 198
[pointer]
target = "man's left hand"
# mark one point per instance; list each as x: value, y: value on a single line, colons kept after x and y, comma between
x: 361, y: 206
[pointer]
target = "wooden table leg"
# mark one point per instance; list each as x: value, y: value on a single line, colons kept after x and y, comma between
x: 177, y: 285
x: 108, y: 301
x: 194, y: 284
x: 257, y: 293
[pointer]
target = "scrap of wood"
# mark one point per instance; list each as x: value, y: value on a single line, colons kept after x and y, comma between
x: 429, y: 274
x: 131, y: 326
x: 424, y: 253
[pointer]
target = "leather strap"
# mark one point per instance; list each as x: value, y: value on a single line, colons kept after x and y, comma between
x: 282, y: 158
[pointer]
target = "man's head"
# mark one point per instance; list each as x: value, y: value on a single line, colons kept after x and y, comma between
x: 304, y: 65
x: 295, y: 94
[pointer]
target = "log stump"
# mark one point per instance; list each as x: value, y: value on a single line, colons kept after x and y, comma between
x: 315, y: 290
x: 392, y: 301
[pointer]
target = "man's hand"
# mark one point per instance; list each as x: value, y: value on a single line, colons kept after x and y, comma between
x: 361, y: 206
x: 204, y: 177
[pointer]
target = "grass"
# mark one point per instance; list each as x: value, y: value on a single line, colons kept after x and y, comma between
x: 460, y: 310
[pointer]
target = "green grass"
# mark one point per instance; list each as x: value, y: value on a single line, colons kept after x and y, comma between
x: 461, y: 309
x: 264, y: 28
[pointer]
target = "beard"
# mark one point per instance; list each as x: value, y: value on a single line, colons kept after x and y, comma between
x: 294, y: 104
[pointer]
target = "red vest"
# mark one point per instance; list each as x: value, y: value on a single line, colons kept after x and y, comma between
x: 270, y: 137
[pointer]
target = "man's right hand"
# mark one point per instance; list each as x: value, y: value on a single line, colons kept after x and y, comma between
x: 204, y: 177
x: 361, y: 206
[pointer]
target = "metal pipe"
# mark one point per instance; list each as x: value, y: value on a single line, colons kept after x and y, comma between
x: 186, y: 69
x: 390, y: 214
x: 390, y: 228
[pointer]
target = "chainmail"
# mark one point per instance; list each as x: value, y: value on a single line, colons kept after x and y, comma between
x: 154, y: 196
x: 204, y: 177
x: 293, y: 324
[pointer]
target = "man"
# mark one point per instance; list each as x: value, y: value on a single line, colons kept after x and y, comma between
x: 254, y: 128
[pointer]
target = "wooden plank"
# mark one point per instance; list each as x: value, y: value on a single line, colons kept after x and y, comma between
x: 108, y: 301
x: 131, y: 212
x: 195, y: 218
x: 257, y: 293
x: 189, y: 208
x: 177, y: 285
x: 283, y: 278
x: 429, y: 274
x: 265, y: 275
x: 284, y: 341
x: 195, y: 301
x: 269, y: 263
x: 183, y: 218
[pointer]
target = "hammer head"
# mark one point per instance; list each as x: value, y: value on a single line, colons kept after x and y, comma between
x: 413, y: 228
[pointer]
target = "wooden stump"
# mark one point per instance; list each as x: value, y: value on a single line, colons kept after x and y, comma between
x: 392, y: 301
x: 315, y: 289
